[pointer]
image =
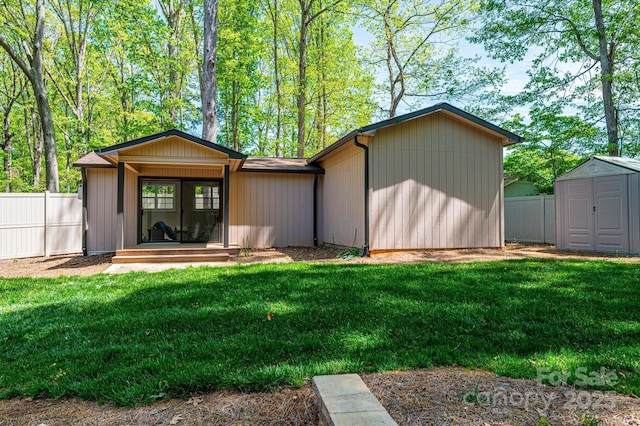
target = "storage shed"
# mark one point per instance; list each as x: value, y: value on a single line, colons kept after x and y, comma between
x: 598, y: 206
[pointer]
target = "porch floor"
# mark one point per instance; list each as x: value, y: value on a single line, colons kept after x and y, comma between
x: 171, y: 252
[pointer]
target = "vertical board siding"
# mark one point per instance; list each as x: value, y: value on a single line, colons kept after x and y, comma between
x: 270, y: 209
x: 436, y: 183
x: 101, y: 193
x: 530, y: 219
x: 130, y: 208
x: 22, y: 225
x: 39, y: 224
x: 174, y: 147
x: 343, y: 198
x: 64, y: 223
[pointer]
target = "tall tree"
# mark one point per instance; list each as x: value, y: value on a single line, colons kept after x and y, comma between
x: 571, y: 39
x: 209, y: 70
x: 69, y: 72
x: 554, y: 143
x: 29, y: 56
x: 11, y: 88
x: 173, y: 13
x: 307, y: 16
x: 416, y: 43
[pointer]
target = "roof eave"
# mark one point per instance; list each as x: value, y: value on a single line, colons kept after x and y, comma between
x: 337, y: 144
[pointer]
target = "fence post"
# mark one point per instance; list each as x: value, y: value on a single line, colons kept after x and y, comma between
x: 542, y: 222
x: 47, y: 252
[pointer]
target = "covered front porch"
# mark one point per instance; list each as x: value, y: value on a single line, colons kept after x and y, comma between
x: 172, y: 190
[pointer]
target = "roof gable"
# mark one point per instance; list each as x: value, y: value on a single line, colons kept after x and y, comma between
x: 171, y: 147
x: 451, y: 111
x: 114, y: 149
x: 602, y: 166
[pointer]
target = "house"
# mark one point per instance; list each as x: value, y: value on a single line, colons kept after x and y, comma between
x: 428, y: 179
x: 513, y: 187
x: 598, y: 207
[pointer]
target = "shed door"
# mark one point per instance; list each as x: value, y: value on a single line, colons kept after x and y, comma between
x: 611, y: 213
x: 579, y: 223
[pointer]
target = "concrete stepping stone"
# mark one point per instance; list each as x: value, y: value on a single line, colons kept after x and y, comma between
x: 346, y: 400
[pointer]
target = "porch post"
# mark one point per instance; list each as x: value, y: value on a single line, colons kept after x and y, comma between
x: 120, y: 208
x: 225, y: 207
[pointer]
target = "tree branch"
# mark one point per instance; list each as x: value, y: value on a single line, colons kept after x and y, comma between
x: 17, y: 59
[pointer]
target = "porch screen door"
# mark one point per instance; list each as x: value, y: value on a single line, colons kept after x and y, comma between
x: 201, y: 211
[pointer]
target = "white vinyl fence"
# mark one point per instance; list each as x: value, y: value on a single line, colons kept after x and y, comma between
x: 530, y: 219
x: 39, y: 224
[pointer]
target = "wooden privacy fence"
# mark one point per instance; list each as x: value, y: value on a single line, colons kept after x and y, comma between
x: 39, y: 224
x: 530, y: 219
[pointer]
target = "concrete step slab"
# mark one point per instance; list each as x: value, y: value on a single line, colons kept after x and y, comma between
x: 345, y: 400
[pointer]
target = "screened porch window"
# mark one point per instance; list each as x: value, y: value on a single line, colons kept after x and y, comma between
x: 207, y: 197
x: 158, y: 197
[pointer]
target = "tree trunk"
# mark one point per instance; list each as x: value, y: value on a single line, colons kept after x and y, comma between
x: 173, y: 15
x: 49, y: 137
x: 235, y: 115
x: 209, y: 70
x: 34, y: 71
x: 196, y: 44
x: 276, y: 76
x: 607, y: 70
x: 7, y: 147
x: 33, y: 137
x: 302, y: 75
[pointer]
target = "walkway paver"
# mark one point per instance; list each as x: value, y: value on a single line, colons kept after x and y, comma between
x: 344, y: 399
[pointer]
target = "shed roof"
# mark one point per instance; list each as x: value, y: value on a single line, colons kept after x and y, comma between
x: 279, y: 165
x: 602, y: 166
x: 371, y: 129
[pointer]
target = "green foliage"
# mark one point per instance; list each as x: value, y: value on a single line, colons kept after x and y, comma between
x: 559, y: 39
x: 416, y: 48
x: 348, y: 254
x: 551, y: 141
x: 132, y: 338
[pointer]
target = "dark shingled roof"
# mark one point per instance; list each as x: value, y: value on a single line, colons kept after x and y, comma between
x: 279, y: 165
x: 93, y: 160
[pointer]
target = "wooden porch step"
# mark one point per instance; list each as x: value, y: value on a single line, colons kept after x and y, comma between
x: 176, y: 251
x: 170, y: 258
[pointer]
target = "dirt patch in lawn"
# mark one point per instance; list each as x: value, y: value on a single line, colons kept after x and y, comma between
x: 441, y: 396
x: 510, y: 251
x: 54, y: 266
x: 77, y: 265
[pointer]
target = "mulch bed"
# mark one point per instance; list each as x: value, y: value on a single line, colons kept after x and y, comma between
x: 441, y: 396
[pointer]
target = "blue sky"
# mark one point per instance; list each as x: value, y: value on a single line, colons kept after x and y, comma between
x: 516, y: 73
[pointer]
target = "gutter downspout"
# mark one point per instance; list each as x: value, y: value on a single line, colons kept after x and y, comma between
x: 85, y: 217
x: 365, y: 249
x: 315, y: 210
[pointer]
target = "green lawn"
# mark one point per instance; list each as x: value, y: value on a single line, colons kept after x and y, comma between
x: 130, y: 339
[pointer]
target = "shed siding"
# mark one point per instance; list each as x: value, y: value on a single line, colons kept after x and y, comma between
x: 271, y: 209
x: 634, y: 213
x: 435, y: 183
x: 174, y: 147
x: 101, y: 195
x: 343, y: 198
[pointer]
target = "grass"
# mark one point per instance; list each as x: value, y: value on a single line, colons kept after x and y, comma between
x: 131, y: 339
